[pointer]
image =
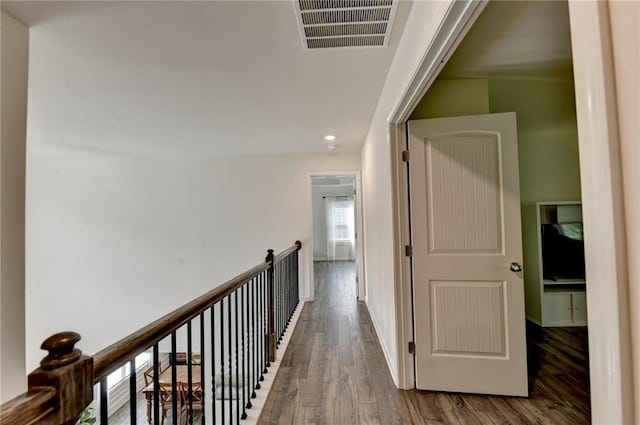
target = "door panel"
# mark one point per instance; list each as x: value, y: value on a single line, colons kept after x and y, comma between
x: 468, y: 318
x: 465, y: 209
x: 463, y: 204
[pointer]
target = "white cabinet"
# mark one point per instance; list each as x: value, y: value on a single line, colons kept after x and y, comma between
x: 564, y: 309
x: 555, y: 288
x: 557, y: 309
x: 579, y: 305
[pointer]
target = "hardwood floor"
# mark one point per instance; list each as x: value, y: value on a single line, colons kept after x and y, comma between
x: 334, y: 372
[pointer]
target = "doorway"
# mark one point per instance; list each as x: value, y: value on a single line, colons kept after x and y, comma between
x: 490, y: 72
x: 335, y: 225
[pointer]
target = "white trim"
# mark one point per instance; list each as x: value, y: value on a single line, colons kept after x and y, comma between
x: 253, y: 414
x: 385, y: 350
x: 361, y: 288
x: 603, y: 214
x: 402, y: 264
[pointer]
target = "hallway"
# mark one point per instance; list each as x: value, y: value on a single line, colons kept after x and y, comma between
x: 334, y: 372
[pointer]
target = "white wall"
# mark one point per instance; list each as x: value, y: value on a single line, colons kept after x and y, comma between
x: 15, y: 48
x: 420, y: 29
x: 320, y: 216
x: 113, y: 244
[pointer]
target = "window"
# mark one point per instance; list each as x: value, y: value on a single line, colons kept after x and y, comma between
x: 117, y: 376
x: 343, y: 220
x: 340, y: 228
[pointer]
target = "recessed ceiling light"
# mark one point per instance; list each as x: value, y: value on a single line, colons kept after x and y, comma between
x: 330, y: 137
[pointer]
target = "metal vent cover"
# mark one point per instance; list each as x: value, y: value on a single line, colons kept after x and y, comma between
x: 345, y: 23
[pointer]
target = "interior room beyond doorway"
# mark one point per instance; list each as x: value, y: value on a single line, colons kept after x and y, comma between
x: 334, y: 219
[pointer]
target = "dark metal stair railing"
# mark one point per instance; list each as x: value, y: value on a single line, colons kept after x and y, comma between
x: 244, y: 333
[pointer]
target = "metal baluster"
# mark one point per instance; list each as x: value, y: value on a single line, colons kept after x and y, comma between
x: 133, y: 390
x: 202, y: 359
x: 213, y: 365
x: 285, y: 285
x: 297, y: 281
x: 282, y: 306
x: 265, y: 333
x: 279, y: 306
x: 244, y: 355
x: 261, y: 335
x: 222, y: 356
x: 235, y: 317
x: 285, y: 312
x: 250, y: 347
x: 276, y: 301
x: 256, y: 338
x: 273, y: 303
x: 156, y: 386
x: 189, y: 373
x: 290, y: 288
x: 174, y: 380
x: 230, y: 357
x: 104, y: 408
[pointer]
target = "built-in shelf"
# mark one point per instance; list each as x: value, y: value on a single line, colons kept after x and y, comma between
x: 564, y: 282
x: 560, y: 302
x: 563, y: 290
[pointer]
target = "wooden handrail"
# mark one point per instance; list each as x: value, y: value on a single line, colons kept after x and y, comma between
x: 29, y: 408
x: 63, y: 384
x: 295, y: 247
x: 112, y: 357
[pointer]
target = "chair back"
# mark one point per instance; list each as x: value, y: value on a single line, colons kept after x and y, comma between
x: 196, y: 394
x: 148, y: 374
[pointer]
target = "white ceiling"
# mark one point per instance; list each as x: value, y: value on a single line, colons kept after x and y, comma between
x: 191, y: 78
x: 516, y: 40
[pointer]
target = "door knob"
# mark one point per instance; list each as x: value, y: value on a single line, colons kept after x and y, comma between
x: 515, y: 267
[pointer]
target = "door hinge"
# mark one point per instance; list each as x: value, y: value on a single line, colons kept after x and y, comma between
x: 412, y: 347
x: 405, y: 156
x: 408, y: 250
x: 357, y: 279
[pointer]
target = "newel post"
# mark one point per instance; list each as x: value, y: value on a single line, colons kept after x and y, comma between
x: 69, y: 372
x: 270, y: 259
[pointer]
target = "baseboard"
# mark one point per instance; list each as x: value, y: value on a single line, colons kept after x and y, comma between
x: 253, y: 414
x: 534, y: 321
x: 385, y: 350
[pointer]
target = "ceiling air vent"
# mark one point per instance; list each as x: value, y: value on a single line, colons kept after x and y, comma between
x: 345, y: 23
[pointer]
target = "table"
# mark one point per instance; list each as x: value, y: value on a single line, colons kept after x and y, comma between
x: 182, y: 372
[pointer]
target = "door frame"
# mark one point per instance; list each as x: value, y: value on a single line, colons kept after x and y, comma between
x: 361, y: 286
x: 600, y: 165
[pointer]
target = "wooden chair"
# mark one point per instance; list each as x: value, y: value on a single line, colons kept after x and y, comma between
x: 148, y: 374
x: 196, y: 400
x: 166, y: 401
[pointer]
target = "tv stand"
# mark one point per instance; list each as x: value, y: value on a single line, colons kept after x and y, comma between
x: 557, y: 301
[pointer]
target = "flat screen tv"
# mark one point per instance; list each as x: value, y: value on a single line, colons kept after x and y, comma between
x: 563, y: 251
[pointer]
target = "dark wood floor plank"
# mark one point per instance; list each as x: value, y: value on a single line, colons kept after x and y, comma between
x: 336, y: 373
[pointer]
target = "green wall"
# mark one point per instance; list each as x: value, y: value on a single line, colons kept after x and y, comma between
x: 547, y: 128
x: 547, y: 136
x: 451, y: 98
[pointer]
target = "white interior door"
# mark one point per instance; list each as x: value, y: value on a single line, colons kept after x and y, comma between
x: 466, y: 233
